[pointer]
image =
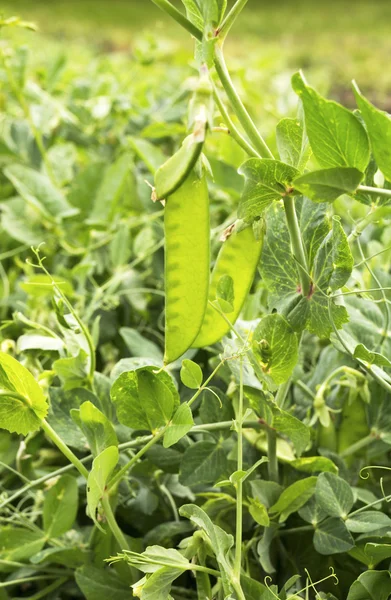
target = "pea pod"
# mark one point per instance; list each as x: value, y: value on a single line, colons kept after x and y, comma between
x: 186, y: 224
x: 171, y: 175
x: 238, y: 258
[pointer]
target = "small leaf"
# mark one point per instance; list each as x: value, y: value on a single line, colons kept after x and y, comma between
x: 292, y: 143
x: 266, y: 180
x: 275, y: 345
x: 191, y: 374
x: 17, y: 415
x: 334, y: 495
x: 102, y: 468
x: 371, y: 358
x: 327, y: 185
x: 332, y: 537
x: 258, y: 511
x: 181, y: 423
x: 314, y: 464
x: 225, y: 293
x: 293, y: 498
x: 60, y: 506
x: 336, y: 135
x: 203, y: 462
x: 293, y: 428
x: 96, y: 427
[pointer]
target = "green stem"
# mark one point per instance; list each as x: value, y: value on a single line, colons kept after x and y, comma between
x: 233, y: 131
x: 239, y: 485
x: 374, y: 191
x: 168, y: 8
x: 64, y: 448
x: 272, y: 464
x: 366, y: 441
x: 282, y: 393
x: 48, y: 589
x: 118, y: 476
x: 254, y: 136
x: 112, y: 523
x: 206, y: 383
x: 375, y: 215
x: 297, y: 244
x: 231, y: 18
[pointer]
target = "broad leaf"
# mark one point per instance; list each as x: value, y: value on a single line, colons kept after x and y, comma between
x: 17, y: 544
x: 181, y: 423
x: 293, y: 498
x: 111, y: 189
x: 332, y: 537
x: 60, y: 506
x: 327, y: 185
x: 371, y: 585
x: 334, y: 495
x: 101, y: 583
x: 292, y: 143
x: 275, y: 345
x: 294, y: 429
x: 203, y: 462
x: 96, y: 427
x: 367, y: 521
x: 20, y: 415
x: 336, y: 135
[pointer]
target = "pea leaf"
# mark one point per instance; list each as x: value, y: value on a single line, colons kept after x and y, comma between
x: 96, y: 427
x: 293, y: 498
x: 266, y: 180
x: 337, y: 137
x: 17, y: 544
x: 275, y: 345
x: 17, y: 415
x: 144, y: 398
x: 314, y: 464
x: 293, y: 428
x: 332, y: 537
x: 102, y: 467
x: 60, y: 506
x: 202, y: 462
x: 378, y: 125
x: 367, y: 521
x: 191, y: 374
x: 292, y: 143
x: 225, y: 293
x: 258, y: 511
x: 371, y: 585
x: 327, y: 185
x: 181, y: 423
x: 371, y: 358
x: 111, y: 189
x: 334, y: 495
x: 96, y: 583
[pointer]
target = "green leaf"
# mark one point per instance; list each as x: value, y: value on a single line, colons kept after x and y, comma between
x: 258, y: 511
x: 371, y: 585
x: 293, y: 428
x: 37, y: 190
x: 334, y: 495
x: 158, y: 585
x: 191, y: 374
x: 266, y: 180
x: 181, y: 423
x: 336, y: 135
x: 293, y: 498
x: 17, y: 415
x: 292, y: 143
x: 96, y: 584
x: 96, y: 427
x: 225, y: 293
x: 73, y: 371
x: 314, y: 464
x: 59, y: 416
x: 252, y: 589
x: 378, y: 125
x: 138, y: 345
x: 332, y: 537
x: 193, y: 13
x: 312, y: 512
x: 368, y: 521
x: 60, y: 506
x: 111, y: 189
x: 102, y: 468
x: 150, y: 154
x: 275, y: 345
x: 371, y: 358
x: 327, y: 185
x: 144, y: 398
x: 215, y: 408
x: 17, y: 544
x: 203, y: 462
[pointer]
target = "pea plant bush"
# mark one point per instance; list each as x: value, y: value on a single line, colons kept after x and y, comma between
x: 195, y: 357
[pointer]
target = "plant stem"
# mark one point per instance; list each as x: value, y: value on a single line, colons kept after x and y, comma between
x: 374, y: 215
x: 205, y: 384
x: 231, y: 18
x: 64, y: 448
x: 254, y: 136
x: 239, y: 484
x: 297, y: 244
x: 48, y: 589
x: 168, y: 8
x: 112, y: 523
x: 118, y: 476
x: 366, y: 441
x: 282, y: 393
x: 374, y: 191
x: 272, y: 464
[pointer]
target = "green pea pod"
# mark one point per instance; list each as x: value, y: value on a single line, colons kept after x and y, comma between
x: 171, y: 175
x: 238, y: 258
x: 354, y: 424
x: 327, y: 437
x: 186, y: 224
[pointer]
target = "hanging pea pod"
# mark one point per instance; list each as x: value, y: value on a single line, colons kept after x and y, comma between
x: 186, y: 224
x: 238, y: 259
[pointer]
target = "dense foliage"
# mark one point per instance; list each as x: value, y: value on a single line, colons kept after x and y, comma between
x: 194, y: 388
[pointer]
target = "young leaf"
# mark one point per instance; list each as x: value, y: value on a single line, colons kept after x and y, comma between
x: 327, y: 185
x: 334, y: 495
x: 144, y: 398
x: 191, y: 374
x: 371, y: 358
x: 60, y: 506
x: 336, y: 135
x: 181, y: 423
x: 293, y: 498
x: 24, y: 413
x: 258, y: 511
x: 332, y: 537
x: 96, y: 427
x: 292, y: 143
x: 275, y: 345
x: 266, y: 180
x: 203, y: 462
x: 225, y: 293
x: 293, y: 428
x: 102, y: 468
x: 378, y: 125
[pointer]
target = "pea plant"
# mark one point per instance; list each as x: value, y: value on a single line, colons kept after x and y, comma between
x: 248, y: 460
